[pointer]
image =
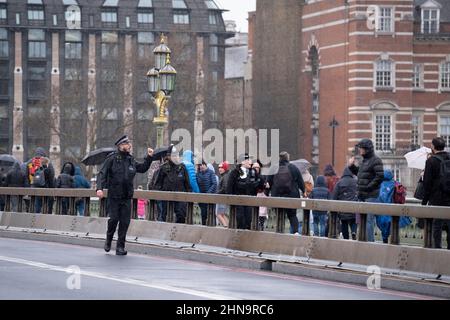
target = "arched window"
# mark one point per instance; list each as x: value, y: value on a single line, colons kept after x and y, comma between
x: 384, y: 74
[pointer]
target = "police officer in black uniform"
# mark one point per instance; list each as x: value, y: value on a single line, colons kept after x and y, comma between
x: 117, y: 175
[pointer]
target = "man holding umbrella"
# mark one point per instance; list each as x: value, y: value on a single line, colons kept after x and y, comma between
x: 117, y: 175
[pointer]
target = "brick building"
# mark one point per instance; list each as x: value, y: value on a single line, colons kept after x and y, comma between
x: 73, y: 72
x: 381, y: 68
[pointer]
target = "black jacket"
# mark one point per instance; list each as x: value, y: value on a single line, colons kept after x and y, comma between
x: 431, y: 182
x: 223, y: 182
x: 297, y: 182
x: 15, y: 177
x: 240, y: 185
x: 173, y: 177
x: 118, y: 172
x: 370, y: 174
x: 65, y: 179
x: 346, y: 190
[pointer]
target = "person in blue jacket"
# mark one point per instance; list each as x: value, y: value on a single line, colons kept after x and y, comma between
x: 80, y: 182
x: 207, y: 183
x: 320, y: 218
x: 188, y: 161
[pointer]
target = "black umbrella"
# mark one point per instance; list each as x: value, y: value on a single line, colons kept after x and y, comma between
x: 97, y: 157
x: 160, y: 153
x: 7, y: 160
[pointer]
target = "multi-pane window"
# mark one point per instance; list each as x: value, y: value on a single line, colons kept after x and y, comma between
x: 418, y: 76
x: 36, y: 43
x: 211, y: 4
x: 145, y: 17
x: 145, y: 41
x: 444, y: 129
x: 385, y: 19
x: 444, y: 75
x: 213, y: 18
x: 110, y: 48
x: 4, y: 79
x: 384, y: 73
x: 4, y: 46
x: 179, y: 4
x: 145, y: 4
x: 109, y: 17
x: 37, y: 81
x: 415, y: 130
x: 213, y: 48
x: 181, y: 17
x: 35, y: 12
x: 3, y: 13
x: 72, y: 74
x: 430, y: 20
x: 73, y: 44
x: 383, y: 132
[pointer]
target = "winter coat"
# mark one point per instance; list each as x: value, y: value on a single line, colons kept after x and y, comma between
x: 320, y: 191
x: 211, y: 167
x: 49, y: 171
x: 66, y: 179
x: 370, y: 172
x: 242, y: 181
x: 15, y: 177
x: 118, y: 172
x: 431, y: 181
x: 346, y: 190
x: 386, y: 195
x: 80, y: 180
x: 223, y: 182
x: 173, y: 177
x: 188, y: 161
x: 297, y: 182
x: 207, y: 181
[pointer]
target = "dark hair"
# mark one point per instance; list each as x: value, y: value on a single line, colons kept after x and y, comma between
x: 438, y: 143
x: 284, y: 156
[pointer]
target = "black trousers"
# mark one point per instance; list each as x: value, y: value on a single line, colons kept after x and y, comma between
x: 119, y: 212
x: 438, y: 226
x: 244, y: 217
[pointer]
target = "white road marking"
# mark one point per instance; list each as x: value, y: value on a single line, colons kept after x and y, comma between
x: 129, y: 281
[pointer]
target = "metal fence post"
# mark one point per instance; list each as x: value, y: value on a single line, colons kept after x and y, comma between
x: 102, y: 210
x: 72, y: 211
x: 169, y: 211
x: 151, y: 210
x: 395, y: 230
x: 87, y: 206
x: 333, y: 225
x: 134, y: 203
x: 428, y: 233
x: 305, y: 226
x: 255, y: 219
x: 281, y: 220
x: 20, y: 204
x: 7, y: 203
x: 233, y: 221
x: 362, y: 230
x: 211, y: 215
x: 190, y: 213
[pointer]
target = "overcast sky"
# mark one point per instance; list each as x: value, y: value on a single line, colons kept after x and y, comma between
x: 238, y: 11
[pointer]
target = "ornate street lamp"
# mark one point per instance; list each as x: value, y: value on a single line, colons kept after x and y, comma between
x: 161, y: 83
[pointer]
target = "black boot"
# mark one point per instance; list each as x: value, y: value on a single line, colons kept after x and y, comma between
x: 121, y: 251
x: 108, y: 244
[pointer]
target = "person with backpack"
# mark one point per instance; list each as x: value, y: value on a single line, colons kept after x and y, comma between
x: 66, y: 181
x: 436, y: 183
x: 320, y: 218
x: 173, y: 177
x: 346, y: 190
x: 40, y: 173
x: 287, y: 183
x: 80, y: 182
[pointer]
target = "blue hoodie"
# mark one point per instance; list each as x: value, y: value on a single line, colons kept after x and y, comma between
x: 80, y: 180
x: 320, y: 191
x: 188, y: 161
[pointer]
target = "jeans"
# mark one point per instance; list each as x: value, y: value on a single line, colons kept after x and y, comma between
x: 320, y: 223
x: 80, y: 207
x: 162, y: 210
x: 370, y: 222
x: 38, y: 205
x: 204, y: 212
x: 345, y: 224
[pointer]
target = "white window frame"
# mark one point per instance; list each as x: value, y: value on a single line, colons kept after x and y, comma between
x: 438, y: 18
x: 420, y: 128
x: 418, y: 74
x: 440, y: 134
x: 447, y: 75
x: 379, y: 17
x: 391, y: 133
x: 384, y: 108
x: 391, y: 86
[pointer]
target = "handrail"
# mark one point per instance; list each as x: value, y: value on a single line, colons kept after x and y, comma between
x: 395, y: 210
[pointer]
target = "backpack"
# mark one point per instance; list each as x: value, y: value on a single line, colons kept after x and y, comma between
x: 399, y: 193
x: 444, y: 175
x: 39, y: 178
x: 33, y: 166
x: 282, y: 182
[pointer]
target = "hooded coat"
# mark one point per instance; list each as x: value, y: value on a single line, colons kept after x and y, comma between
x: 80, y: 180
x: 346, y: 190
x: 370, y: 172
x: 188, y: 161
x: 15, y: 177
x: 49, y: 171
x: 207, y: 181
x: 297, y: 182
x: 66, y: 178
x: 320, y: 191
